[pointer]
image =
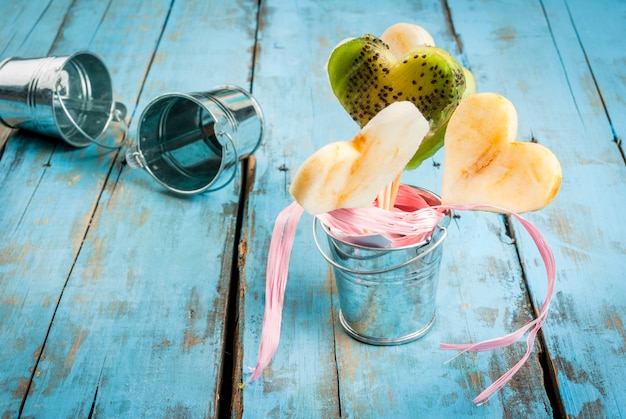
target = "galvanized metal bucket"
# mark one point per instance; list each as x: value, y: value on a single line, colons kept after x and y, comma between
x: 69, y: 97
x: 192, y: 143
x: 387, y: 295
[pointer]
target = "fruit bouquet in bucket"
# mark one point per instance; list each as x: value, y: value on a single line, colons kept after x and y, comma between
x: 409, y: 98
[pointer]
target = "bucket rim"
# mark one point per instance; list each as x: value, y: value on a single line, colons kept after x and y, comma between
x: 429, y: 244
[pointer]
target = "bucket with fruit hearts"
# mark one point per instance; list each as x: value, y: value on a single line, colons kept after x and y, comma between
x: 387, y: 295
x: 402, y: 98
x: 410, y: 98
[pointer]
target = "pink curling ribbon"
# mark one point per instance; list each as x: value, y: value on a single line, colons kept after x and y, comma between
x: 412, y: 221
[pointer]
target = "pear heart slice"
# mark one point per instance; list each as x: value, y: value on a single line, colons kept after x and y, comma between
x: 350, y: 174
x: 484, y: 164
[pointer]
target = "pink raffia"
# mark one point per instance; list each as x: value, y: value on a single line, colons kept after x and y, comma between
x: 283, y: 236
x: 534, y: 325
x: 411, y: 221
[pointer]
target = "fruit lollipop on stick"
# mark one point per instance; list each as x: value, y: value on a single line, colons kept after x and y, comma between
x: 403, y: 114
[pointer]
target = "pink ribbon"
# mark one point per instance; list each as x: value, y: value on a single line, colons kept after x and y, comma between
x: 533, y: 325
x: 411, y: 222
x: 281, y: 243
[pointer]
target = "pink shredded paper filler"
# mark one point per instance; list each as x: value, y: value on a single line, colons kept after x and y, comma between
x: 411, y: 222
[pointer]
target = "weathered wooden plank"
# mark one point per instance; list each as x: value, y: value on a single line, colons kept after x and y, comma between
x: 598, y: 28
x: 30, y: 28
x: 590, y: 372
x: 559, y: 105
x: 140, y: 329
x: 290, y: 81
x: 49, y: 193
x: 45, y: 211
x: 481, y: 295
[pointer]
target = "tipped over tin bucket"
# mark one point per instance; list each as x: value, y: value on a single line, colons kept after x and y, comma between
x: 69, y: 97
x: 192, y: 143
x: 387, y: 295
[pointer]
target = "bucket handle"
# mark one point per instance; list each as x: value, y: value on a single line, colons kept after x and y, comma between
x: 231, y: 142
x: 117, y: 114
x: 380, y: 271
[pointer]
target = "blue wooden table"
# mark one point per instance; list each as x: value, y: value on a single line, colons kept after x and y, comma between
x: 119, y: 299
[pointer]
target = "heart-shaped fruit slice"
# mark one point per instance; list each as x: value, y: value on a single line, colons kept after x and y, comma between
x: 351, y: 174
x: 484, y: 164
x: 366, y: 77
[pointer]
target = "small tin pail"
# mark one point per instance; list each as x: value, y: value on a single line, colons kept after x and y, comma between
x: 387, y: 295
x: 68, y: 97
x: 192, y: 143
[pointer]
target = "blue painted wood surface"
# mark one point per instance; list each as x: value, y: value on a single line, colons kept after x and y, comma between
x: 118, y: 299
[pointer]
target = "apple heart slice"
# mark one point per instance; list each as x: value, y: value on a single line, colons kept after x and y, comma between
x: 349, y: 174
x: 484, y: 164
